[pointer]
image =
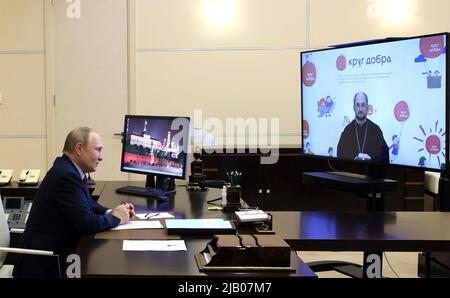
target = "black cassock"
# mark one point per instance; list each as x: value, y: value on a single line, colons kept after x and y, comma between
x: 371, y: 142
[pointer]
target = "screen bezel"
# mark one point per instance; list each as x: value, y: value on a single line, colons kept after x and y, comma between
x: 183, y: 176
x: 9, y: 200
x: 371, y: 42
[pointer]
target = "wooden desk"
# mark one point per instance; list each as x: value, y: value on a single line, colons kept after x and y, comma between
x: 105, y: 257
x: 372, y: 231
x: 185, y: 205
x: 97, y: 189
x: 319, y: 231
x: 386, y: 231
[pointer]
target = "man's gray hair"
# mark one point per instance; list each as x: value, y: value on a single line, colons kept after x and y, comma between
x: 78, y: 135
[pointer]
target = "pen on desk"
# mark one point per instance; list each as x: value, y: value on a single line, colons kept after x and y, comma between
x: 148, y: 215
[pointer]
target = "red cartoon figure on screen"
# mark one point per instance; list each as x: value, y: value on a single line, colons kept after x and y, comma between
x: 309, y: 74
x: 401, y: 114
x: 433, y: 142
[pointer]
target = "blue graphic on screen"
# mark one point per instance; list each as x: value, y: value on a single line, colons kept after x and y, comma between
x: 382, y: 102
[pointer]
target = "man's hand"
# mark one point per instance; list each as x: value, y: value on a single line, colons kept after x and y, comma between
x: 122, y: 213
x: 130, y: 208
x: 363, y: 156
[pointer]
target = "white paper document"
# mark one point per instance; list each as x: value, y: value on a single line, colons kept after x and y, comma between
x: 154, y: 215
x: 153, y: 245
x: 139, y: 224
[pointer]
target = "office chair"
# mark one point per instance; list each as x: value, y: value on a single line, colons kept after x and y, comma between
x: 7, y: 270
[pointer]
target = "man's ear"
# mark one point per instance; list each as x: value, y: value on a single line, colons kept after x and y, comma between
x: 78, y: 148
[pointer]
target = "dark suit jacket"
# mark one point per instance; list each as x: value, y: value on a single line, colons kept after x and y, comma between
x: 62, y: 211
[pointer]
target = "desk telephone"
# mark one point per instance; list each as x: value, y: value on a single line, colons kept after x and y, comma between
x: 16, y: 211
x: 5, y: 176
x: 29, y: 177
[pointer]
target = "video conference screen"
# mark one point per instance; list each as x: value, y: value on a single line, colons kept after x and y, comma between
x: 382, y: 102
x: 156, y: 145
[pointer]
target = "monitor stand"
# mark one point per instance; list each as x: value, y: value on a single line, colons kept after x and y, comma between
x: 160, y: 182
x: 373, y: 186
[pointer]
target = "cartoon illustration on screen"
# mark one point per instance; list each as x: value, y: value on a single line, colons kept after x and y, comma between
x: 330, y: 152
x: 401, y: 113
x: 432, y: 49
x: 395, y: 146
x: 309, y: 74
x: 433, y: 142
x: 325, y: 106
x: 308, y: 149
x: 345, y: 121
x: 422, y: 161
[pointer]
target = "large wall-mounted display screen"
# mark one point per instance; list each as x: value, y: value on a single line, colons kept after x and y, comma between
x: 379, y: 102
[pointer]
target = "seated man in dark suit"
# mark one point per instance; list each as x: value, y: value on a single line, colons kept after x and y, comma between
x: 63, y: 209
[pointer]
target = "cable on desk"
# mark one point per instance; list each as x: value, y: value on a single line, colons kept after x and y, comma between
x: 385, y: 256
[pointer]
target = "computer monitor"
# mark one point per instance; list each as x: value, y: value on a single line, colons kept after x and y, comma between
x: 156, y: 146
x: 379, y: 102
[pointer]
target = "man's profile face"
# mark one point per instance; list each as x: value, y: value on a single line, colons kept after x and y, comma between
x: 91, y: 154
x: 361, y: 107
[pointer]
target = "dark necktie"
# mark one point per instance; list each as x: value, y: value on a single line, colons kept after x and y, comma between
x: 86, y: 185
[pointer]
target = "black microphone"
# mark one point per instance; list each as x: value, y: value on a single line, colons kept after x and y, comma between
x: 212, y: 183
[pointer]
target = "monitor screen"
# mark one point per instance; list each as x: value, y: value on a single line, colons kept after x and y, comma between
x: 156, y: 145
x: 382, y: 102
x: 13, y: 202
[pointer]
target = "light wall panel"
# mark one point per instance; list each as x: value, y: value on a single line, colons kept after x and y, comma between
x: 220, y: 23
x: 248, y: 67
x: 337, y: 22
x: 247, y: 84
x: 21, y: 25
x: 22, y: 84
x: 18, y: 154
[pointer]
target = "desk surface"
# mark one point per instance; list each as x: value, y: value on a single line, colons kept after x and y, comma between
x: 186, y: 204
x: 373, y: 231
x: 105, y: 257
